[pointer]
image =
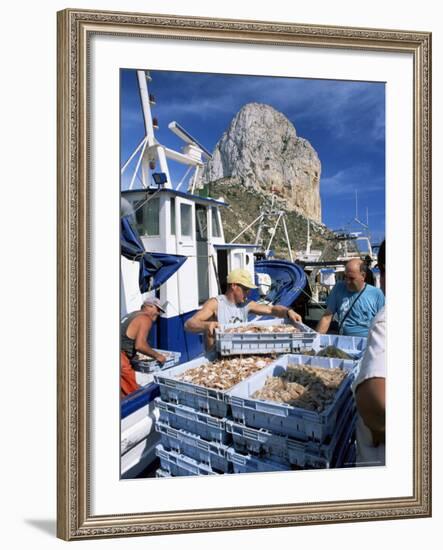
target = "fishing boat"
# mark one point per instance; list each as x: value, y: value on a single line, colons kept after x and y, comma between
x: 179, y: 254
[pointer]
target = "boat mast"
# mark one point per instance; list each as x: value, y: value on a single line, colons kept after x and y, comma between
x: 308, y: 239
x: 152, y: 144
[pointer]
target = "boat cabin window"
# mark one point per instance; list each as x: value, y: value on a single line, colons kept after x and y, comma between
x: 147, y: 218
x: 186, y: 220
x: 201, y: 225
x: 172, y: 203
x: 216, y: 231
x: 237, y: 260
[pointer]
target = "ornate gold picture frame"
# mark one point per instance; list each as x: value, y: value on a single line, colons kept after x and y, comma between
x: 76, y: 516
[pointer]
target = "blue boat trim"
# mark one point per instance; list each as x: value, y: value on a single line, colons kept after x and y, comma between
x: 234, y: 245
x: 175, y: 193
x: 288, y: 281
x: 138, y: 399
x: 171, y: 335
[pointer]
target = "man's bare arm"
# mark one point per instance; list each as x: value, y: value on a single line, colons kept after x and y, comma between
x: 277, y: 311
x: 204, y: 319
x: 144, y: 325
x: 371, y: 405
x: 325, y: 322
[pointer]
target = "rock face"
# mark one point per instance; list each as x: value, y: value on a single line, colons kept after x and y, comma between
x: 261, y: 150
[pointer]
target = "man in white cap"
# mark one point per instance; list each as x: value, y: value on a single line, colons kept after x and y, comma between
x: 134, y: 333
x: 232, y: 307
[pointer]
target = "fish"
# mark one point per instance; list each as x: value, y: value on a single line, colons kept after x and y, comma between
x: 142, y: 357
x: 261, y: 329
x: 223, y: 374
x: 307, y: 387
x: 333, y: 352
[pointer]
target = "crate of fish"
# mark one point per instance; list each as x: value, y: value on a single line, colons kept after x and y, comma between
x: 147, y: 365
x: 291, y: 452
x: 185, y: 418
x: 202, y: 384
x: 181, y: 465
x: 297, y: 395
x: 257, y: 337
x: 334, y: 347
x: 247, y: 464
x: 193, y: 446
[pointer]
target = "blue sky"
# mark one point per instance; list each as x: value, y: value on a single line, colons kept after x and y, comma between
x: 343, y: 120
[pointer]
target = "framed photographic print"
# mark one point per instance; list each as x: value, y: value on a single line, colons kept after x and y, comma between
x: 218, y: 182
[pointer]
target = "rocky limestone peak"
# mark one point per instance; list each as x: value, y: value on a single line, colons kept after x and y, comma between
x: 261, y: 150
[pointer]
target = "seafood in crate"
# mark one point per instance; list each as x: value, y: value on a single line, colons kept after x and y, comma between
x: 145, y: 364
x: 334, y: 347
x: 307, y: 387
x: 202, y: 384
x: 288, y: 419
x: 333, y: 352
x: 222, y: 374
x: 330, y: 351
x: 261, y: 329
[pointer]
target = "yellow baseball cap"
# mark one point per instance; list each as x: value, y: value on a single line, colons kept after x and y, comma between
x: 241, y: 277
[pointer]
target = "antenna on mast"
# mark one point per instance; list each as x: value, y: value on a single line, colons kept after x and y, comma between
x: 357, y: 219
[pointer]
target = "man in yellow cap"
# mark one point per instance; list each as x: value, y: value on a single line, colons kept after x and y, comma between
x: 232, y: 307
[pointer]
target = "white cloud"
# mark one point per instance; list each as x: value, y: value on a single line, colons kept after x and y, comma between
x: 349, y: 180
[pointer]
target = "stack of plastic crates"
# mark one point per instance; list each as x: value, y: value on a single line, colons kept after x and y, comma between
x: 208, y: 432
x: 192, y: 425
x: 270, y: 435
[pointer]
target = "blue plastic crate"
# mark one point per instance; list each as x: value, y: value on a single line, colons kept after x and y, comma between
x: 352, y: 345
x: 202, y: 399
x: 162, y: 473
x: 288, y: 451
x: 150, y: 366
x: 193, y: 446
x: 350, y: 456
x: 343, y: 457
x: 246, y: 464
x: 259, y: 343
x: 181, y: 465
x: 186, y: 418
x: 284, y: 419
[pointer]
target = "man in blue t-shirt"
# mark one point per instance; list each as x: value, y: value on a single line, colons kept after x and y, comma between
x: 354, y: 302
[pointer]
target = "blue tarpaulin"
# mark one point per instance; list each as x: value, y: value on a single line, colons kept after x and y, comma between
x: 155, y: 267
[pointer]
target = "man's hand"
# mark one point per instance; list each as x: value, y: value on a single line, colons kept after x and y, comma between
x: 325, y: 322
x: 160, y: 358
x: 212, y: 325
x: 293, y: 316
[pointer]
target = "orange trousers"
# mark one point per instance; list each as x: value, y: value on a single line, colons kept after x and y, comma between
x: 128, y: 383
